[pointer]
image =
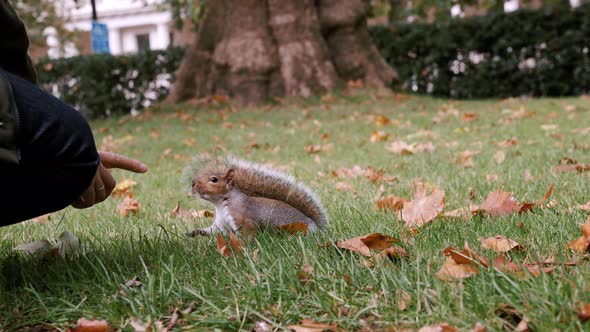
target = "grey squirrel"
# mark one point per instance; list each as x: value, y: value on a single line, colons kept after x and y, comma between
x: 250, y: 197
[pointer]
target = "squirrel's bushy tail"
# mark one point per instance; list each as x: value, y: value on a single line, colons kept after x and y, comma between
x: 261, y: 181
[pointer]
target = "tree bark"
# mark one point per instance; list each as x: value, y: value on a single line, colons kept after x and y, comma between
x: 252, y: 50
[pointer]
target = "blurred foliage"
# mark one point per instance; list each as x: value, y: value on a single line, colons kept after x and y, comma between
x: 528, y: 52
x: 100, y: 85
x: 38, y: 15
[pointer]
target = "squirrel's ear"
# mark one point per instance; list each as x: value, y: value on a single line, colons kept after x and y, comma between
x: 229, y: 177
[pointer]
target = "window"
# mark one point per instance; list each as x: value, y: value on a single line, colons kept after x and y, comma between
x: 143, y: 42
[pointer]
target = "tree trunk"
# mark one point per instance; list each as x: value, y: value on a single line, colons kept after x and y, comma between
x: 252, y: 50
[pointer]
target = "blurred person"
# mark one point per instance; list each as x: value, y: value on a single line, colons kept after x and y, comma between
x: 48, y: 158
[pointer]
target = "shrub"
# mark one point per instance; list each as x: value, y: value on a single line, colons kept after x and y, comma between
x: 100, y: 85
x: 527, y: 52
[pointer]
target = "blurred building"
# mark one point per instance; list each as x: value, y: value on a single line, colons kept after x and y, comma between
x: 133, y: 26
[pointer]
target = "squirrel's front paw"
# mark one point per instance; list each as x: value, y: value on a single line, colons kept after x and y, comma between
x: 197, y: 232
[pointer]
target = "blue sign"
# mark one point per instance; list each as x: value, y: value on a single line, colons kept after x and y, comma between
x: 100, y: 38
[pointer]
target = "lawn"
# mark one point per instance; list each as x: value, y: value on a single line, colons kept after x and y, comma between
x: 262, y: 283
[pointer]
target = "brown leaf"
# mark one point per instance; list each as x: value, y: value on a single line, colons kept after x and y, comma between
x: 478, y: 327
x: 583, y: 207
x: 501, y: 263
x: 128, y: 206
x: 378, y: 175
x: 390, y: 203
x: 294, y: 228
x: 308, y: 325
x: 190, y: 214
x: 500, y: 243
x: 86, y: 325
x: 584, y: 313
x: 381, y: 120
x: 423, y: 210
x: 500, y: 156
x: 464, y: 214
x: 525, y: 207
x: 512, y: 318
x: 460, y: 264
x: 226, y: 248
x: 344, y: 186
x: 364, y: 244
x: 403, y: 148
x: 465, y: 256
x: 464, y: 158
x: 498, y: 204
x: 305, y: 274
x: 582, y: 243
x: 402, y: 298
x: 393, y: 252
x: 442, y: 327
x: 123, y: 188
x: 570, y: 165
x: 379, y: 136
x: 469, y: 116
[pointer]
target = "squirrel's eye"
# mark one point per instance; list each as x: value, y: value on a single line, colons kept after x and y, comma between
x: 213, y: 179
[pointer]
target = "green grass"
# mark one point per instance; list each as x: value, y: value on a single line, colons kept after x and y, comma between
x: 262, y: 284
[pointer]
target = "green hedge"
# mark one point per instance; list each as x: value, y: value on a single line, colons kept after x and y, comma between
x: 101, y: 85
x: 528, y: 52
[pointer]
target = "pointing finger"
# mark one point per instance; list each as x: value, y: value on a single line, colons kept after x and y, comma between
x: 113, y: 160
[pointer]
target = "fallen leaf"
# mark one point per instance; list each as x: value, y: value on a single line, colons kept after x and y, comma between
x: 525, y: 207
x: 478, y: 327
x: 133, y: 282
x: 570, y: 165
x: 305, y: 274
x: 584, y: 313
x: 86, y: 325
x: 403, y: 148
x: 378, y: 175
x: 584, y: 207
x: 344, y: 186
x: 500, y: 156
x: 294, y: 228
x: 500, y: 243
x: 512, y: 319
x: 226, y: 248
x: 262, y: 326
x: 469, y: 116
x: 464, y: 214
x: 582, y: 243
x: 402, y: 299
x: 460, y: 264
x: 442, y: 327
x: 308, y: 325
x: 123, y: 188
x: 424, y: 209
x: 128, y: 206
x: 364, y: 244
x: 390, y: 202
x: 464, y: 158
x: 528, y: 176
x: 392, y: 253
x: 498, y: 204
x: 379, y: 136
x: 190, y: 214
x: 381, y: 120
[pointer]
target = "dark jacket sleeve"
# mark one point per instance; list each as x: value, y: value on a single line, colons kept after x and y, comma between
x: 14, y: 44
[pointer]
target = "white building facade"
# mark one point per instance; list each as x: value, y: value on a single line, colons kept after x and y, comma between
x: 133, y: 25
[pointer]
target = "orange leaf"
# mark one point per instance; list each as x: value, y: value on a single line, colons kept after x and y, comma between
x: 226, y: 248
x: 500, y: 243
x: 379, y: 136
x: 423, y: 210
x: 584, y: 314
x: 128, y: 206
x: 525, y: 207
x: 460, y: 264
x: 498, y: 204
x: 86, y: 325
x: 390, y: 203
x: 123, y: 188
x: 582, y: 243
x: 294, y: 228
x: 364, y: 244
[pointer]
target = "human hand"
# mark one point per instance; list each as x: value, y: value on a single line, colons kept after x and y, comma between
x: 103, y: 183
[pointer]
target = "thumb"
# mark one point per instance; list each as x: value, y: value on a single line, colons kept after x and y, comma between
x: 114, y: 160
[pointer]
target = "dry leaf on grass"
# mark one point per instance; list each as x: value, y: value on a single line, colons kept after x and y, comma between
x: 500, y: 156
x: 500, y: 243
x: 390, y: 202
x: 464, y: 158
x: 86, y: 325
x: 442, y: 327
x: 226, y: 248
x: 364, y: 244
x: 305, y: 274
x: 128, y: 206
x: 190, y: 214
x: 478, y: 327
x: 460, y: 264
x: 309, y: 325
x: 123, y: 188
x: 464, y: 214
x: 379, y: 136
x: 584, y: 313
x: 498, y: 204
x: 570, y: 165
x: 525, y: 207
x: 402, y: 299
x: 423, y: 209
x: 582, y: 243
x: 404, y: 149
x: 512, y: 319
